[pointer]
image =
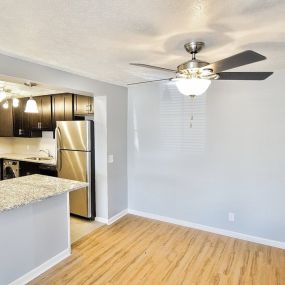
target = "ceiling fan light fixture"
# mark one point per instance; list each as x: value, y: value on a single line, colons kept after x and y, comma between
x: 31, y: 106
x: 192, y: 86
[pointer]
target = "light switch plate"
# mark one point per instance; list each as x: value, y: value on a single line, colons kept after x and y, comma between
x: 231, y: 217
x: 110, y: 158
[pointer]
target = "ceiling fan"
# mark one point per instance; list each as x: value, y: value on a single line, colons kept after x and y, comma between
x: 193, y: 77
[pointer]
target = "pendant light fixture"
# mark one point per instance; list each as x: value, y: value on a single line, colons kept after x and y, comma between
x: 31, y: 105
x: 3, y: 94
x: 16, y: 102
x: 6, y: 105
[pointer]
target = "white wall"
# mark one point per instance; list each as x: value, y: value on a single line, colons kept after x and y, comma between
x: 21, y: 69
x: 232, y: 160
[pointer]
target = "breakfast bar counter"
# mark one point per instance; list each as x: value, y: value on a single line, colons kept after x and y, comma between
x: 34, y: 225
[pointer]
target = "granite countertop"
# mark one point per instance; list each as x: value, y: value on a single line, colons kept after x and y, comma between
x: 25, y: 190
x: 24, y: 157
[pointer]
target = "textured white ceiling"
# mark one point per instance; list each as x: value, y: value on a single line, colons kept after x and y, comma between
x: 14, y: 89
x: 99, y: 38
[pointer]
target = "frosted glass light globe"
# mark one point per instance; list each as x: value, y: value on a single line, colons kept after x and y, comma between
x: 192, y: 86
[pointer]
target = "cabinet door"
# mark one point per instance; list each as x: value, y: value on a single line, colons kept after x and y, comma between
x: 68, y: 107
x: 83, y: 105
x: 26, y: 119
x: 57, y: 108
x: 62, y: 108
x: 6, y: 121
x: 35, y: 118
x: 46, y: 113
x: 80, y: 105
x: 91, y: 105
x: 21, y: 119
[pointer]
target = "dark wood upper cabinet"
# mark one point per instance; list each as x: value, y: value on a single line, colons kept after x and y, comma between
x: 22, y: 121
x: 6, y: 121
x: 83, y: 105
x: 43, y: 119
x: 52, y: 108
x: 62, y: 108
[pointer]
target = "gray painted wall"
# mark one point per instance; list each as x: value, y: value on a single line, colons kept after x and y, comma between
x: 17, y: 68
x: 232, y: 160
x: 31, y: 235
x: 117, y: 146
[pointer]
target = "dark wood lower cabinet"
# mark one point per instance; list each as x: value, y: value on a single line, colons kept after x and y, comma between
x: 29, y: 168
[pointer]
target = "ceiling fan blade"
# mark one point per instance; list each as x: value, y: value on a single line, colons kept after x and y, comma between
x: 149, y: 81
x: 243, y: 58
x: 244, y: 75
x: 153, y: 67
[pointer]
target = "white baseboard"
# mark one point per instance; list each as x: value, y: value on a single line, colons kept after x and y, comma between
x: 118, y: 216
x: 101, y: 220
x: 112, y: 219
x: 41, y: 269
x: 223, y: 232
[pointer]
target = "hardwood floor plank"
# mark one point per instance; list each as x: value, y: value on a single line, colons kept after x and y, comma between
x: 140, y: 251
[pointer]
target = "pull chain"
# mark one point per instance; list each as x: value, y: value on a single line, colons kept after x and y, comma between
x: 192, y: 113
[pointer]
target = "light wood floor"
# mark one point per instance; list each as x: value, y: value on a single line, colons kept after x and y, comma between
x: 141, y: 251
x: 80, y: 227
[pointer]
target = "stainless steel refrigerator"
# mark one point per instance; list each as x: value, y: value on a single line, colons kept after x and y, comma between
x: 75, y: 160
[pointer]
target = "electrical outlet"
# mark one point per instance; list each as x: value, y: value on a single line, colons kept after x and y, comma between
x: 231, y: 217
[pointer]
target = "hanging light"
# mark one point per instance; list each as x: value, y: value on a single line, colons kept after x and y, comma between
x: 2, y: 95
x: 192, y: 86
x: 31, y: 106
x: 5, y: 105
x: 16, y: 102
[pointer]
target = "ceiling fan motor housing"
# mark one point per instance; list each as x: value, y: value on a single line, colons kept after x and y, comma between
x: 191, y: 66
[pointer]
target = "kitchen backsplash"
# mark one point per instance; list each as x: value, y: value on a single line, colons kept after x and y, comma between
x: 29, y: 145
x: 6, y: 145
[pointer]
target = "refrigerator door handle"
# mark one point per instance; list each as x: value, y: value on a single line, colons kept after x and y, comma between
x: 58, y: 145
x: 89, y: 177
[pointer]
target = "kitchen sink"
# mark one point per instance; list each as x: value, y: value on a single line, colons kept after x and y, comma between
x: 39, y: 158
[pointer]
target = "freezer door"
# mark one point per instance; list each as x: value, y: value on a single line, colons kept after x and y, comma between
x: 74, y: 135
x: 75, y: 165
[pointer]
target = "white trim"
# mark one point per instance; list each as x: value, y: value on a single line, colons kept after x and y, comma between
x: 68, y: 222
x: 117, y: 216
x: 42, y: 268
x: 101, y: 220
x: 219, y: 231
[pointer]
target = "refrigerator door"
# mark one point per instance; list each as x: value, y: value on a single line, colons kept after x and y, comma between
x: 74, y: 135
x: 75, y: 165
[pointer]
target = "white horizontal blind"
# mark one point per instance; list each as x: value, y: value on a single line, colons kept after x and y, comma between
x: 176, y: 135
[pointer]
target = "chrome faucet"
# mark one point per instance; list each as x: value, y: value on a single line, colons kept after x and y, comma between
x: 46, y: 152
